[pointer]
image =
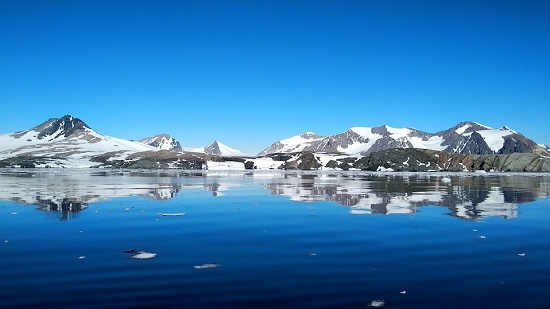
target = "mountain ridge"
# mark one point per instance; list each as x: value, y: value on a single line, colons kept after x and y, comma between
x: 466, y: 138
x: 69, y: 142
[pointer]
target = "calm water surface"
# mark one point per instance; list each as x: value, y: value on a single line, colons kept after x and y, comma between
x: 274, y: 239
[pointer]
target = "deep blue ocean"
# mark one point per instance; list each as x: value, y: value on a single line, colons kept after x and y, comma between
x: 273, y: 240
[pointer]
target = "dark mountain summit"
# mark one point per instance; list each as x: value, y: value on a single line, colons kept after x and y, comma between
x: 65, y: 126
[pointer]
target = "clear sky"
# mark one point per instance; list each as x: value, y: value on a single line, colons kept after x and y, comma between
x: 249, y: 73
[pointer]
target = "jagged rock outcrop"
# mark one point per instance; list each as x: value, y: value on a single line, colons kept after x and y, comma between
x: 305, y: 161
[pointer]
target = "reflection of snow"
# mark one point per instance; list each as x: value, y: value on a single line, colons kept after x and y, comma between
x: 468, y: 197
x: 493, y: 205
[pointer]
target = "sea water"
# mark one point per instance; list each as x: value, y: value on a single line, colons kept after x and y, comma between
x: 273, y: 240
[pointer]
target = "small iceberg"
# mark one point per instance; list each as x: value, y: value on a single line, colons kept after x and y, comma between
x: 207, y: 265
x: 144, y: 255
x: 377, y: 303
x: 138, y: 254
x: 174, y: 214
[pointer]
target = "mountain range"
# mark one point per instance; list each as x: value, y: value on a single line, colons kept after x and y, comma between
x: 463, y: 138
x: 69, y: 142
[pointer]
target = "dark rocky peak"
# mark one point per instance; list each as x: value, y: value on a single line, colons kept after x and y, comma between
x: 516, y: 142
x: 475, y: 144
x: 383, y: 130
x: 468, y: 127
x: 213, y: 149
x: 64, y: 126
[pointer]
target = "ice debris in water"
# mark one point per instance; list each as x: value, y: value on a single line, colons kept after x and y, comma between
x: 207, y: 265
x: 482, y: 237
x: 138, y: 254
x: 403, y: 292
x: 311, y: 254
x: 13, y: 213
x: 174, y: 214
x: 377, y: 303
x: 144, y: 255
x: 521, y: 254
x: 81, y: 257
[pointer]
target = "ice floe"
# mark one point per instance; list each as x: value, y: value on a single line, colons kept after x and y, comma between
x: 144, y: 255
x: 138, y: 254
x: 207, y: 265
x: 174, y: 214
x: 377, y: 303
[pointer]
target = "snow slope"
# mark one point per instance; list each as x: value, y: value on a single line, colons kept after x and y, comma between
x: 65, y: 147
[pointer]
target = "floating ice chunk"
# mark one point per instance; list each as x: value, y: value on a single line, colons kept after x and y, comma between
x: 207, y: 265
x: 6, y: 241
x: 474, y: 230
x: 144, y: 255
x: 521, y: 254
x: 482, y: 237
x: 311, y: 254
x: 174, y: 214
x: 403, y: 292
x: 13, y: 213
x: 138, y: 254
x: 377, y: 303
x: 81, y: 257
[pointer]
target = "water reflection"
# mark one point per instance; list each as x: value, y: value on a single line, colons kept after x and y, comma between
x: 66, y: 194
x: 468, y: 196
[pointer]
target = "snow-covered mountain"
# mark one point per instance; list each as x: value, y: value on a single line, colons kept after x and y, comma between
x: 66, y: 141
x: 294, y: 144
x: 465, y: 138
x: 219, y: 149
x: 162, y: 141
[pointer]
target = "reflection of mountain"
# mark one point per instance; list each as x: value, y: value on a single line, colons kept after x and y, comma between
x: 70, y: 193
x: 470, y: 196
x: 466, y: 197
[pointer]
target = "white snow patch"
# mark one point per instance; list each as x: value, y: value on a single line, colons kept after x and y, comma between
x: 495, y: 138
x: 398, y: 132
x: 228, y: 165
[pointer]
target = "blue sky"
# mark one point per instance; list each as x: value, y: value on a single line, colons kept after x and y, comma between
x: 248, y: 73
